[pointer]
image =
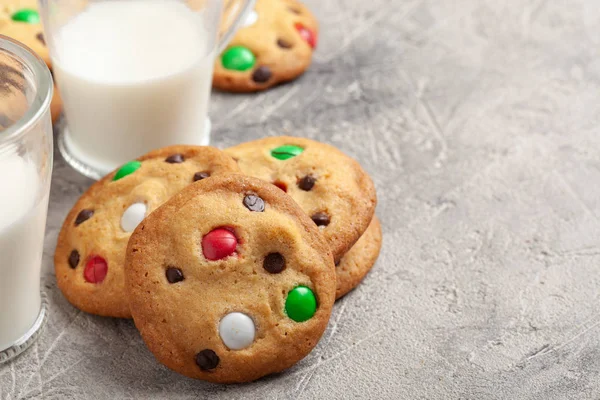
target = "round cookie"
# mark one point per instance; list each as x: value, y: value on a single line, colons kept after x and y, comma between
x: 90, y: 253
x: 274, y: 44
x: 331, y: 187
x: 229, y: 280
x: 20, y: 20
x: 358, y: 261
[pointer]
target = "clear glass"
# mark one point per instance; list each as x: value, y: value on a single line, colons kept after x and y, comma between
x: 134, y: 75
x: 25, y: 172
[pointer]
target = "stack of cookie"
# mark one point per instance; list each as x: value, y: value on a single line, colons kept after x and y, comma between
x: 229, y: 262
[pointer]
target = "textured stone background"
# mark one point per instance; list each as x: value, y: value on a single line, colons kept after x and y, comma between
x: 479, y: 123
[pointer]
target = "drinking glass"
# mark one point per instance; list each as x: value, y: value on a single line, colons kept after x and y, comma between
x: 134, y: 75
x: 25, y: 171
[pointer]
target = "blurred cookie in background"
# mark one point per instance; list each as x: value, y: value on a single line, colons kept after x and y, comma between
x: 274, y: 44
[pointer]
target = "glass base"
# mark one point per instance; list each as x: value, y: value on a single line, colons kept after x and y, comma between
x: 28, y: 338
x: 70, y: 153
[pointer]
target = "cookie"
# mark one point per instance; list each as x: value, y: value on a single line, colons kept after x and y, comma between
x: 56, y: 105
x: 90, y: 253
x: 356, y: 263
x: 229, y: 280
x: 274, y: 45
x: 20, y: 20
x: 331, y: 187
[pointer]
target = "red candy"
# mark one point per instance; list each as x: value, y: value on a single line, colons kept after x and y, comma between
x: 307, y: 35
x: 218, y: 243
x: 95, y: 269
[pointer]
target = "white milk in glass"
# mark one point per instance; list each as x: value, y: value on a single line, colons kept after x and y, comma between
x: 22, y: 224
x: 135, y: 75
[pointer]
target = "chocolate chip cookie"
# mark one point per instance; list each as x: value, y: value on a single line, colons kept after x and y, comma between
x: 358, y: 261
x: 274, y: 45
x: 91, y: 245
x: 229, y: 280
x: 20, y: 20
x: 331, y: 187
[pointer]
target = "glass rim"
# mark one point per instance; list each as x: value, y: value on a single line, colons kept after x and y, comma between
x: 43, y: 94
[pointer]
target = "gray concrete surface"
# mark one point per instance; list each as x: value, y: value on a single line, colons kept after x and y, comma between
x: 479, y: 123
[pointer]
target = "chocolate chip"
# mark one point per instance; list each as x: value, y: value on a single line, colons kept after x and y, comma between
x: 74, y: 259
x: 174, y: 275
x: 83, y: 216
x: 284, y: 44
x: 274, y: 263
x: 200, y: 175
x: 337, y: 263
x: 40, y: 37
x: 254, y: 203
x: 207, y: 359
x: 261, y: 74
x: 321, y: 219
x: 175, y: 159
x: 307, y: 182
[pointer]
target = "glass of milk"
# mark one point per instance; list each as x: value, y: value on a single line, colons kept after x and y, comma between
x: 134, y: 75
x: 25, y: 169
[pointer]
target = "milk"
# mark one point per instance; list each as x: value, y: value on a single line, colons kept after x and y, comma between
x: 22, y: 224
x: 134, y: 75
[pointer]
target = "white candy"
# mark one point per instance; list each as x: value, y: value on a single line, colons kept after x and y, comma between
x: 134, y: 214
x: 250, y: 19
x: 237, y: 330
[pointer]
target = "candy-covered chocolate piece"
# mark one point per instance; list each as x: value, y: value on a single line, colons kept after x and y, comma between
x: 219, y: 243
x: 133, y: 215
x: 259, y: 281
x: 301, y: 304
x: 101, y: 221
x: 95, y: 270
x: 238, y: 58
x: 237, y: 330
x: 308, y: 35
x: 280, y: 41
x: 127, y: 169
x: 250, y: 19
x: 27, y: 15
x: 286, y: 151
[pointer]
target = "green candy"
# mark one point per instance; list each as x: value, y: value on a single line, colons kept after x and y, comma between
x: 26, y: 15
x: 301, y: 304
x: 126, y: 169
x: 286, y: 151
x: 238, y: 58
